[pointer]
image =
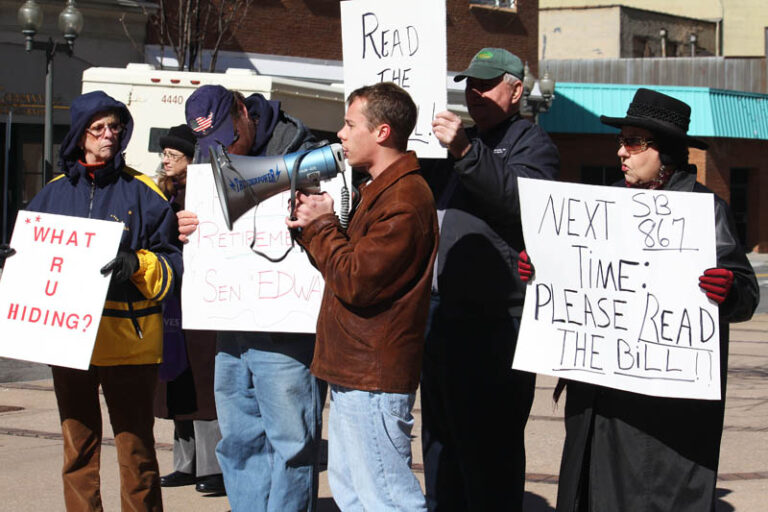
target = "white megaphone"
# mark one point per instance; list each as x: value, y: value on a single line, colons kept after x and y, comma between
x: 245, y: 181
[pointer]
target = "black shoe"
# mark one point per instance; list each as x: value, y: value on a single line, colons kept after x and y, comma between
x: 177, y: 479
x: 211, y: 484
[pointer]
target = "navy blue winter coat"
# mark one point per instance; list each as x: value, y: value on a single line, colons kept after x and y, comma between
x: 131, y: 328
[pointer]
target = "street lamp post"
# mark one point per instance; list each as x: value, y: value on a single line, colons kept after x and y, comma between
x: 30, y: 17
x: 537, y: 94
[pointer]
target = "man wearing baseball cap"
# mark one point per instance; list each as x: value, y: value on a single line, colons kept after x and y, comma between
x: 269, y: 405
x: 474, y: 406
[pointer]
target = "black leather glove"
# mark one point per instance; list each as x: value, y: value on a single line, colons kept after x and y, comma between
x: 125, y: 264
x: 5, y: 251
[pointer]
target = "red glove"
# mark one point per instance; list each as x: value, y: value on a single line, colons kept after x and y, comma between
x: 525, y: 267
x: 716, y: 282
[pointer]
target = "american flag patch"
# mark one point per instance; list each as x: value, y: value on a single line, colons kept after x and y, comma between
x: 200, y: 124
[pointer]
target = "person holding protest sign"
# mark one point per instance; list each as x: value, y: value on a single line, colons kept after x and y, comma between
x: 627, y: 451
x: 474, y: 406
x: 185, y: 390
x: 96, y: 183
x: 268, y: 403
x: 370, y: 331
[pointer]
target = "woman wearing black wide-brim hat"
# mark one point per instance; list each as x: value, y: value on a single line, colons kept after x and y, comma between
x: 630, y: 452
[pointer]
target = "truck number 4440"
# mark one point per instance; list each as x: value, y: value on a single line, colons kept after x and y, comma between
x: 176, y: 99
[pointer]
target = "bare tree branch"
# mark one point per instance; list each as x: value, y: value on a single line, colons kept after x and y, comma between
x: 187, y: 25
x: 232, y: 14
x: 139, y: 48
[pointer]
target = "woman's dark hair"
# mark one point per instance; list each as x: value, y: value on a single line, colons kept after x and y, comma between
x: 672, y: 151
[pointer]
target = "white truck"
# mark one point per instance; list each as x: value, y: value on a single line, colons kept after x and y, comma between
x: 156, y: 100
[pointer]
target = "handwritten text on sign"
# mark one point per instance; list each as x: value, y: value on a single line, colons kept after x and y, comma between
x: 403, y: 42
x: 52, y: 292
x: 228, y: 287
x: 615, y: 299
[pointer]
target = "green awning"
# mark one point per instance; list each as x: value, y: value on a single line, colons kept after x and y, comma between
x: 714, y: 112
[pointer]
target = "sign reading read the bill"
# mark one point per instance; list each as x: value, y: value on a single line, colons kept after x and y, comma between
x: 52, y: 292
x: 403, y: 42
x: 615, y: 298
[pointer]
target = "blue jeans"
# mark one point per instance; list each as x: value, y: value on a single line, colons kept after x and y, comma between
x: 369, y: 451
x: 270, y: 414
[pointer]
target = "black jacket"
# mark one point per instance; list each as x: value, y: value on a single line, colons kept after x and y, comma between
x: 637, y: 453
x: 481, y: 233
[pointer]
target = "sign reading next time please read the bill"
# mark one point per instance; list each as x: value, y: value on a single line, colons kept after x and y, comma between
x: 615, y: 299
x: 52, y: 292
x: 404, y: 42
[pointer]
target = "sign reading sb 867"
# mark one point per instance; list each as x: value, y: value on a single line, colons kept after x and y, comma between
x: 615, y: 299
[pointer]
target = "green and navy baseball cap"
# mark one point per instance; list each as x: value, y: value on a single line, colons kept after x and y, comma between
x: 492, y: 62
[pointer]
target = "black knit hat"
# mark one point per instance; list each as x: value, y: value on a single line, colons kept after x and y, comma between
x: 660, y: 114
x: 181, y: 138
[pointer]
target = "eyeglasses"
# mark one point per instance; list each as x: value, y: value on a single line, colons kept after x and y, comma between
x: 634, y: 144
x: 170, y: 156
x: 98, y: 129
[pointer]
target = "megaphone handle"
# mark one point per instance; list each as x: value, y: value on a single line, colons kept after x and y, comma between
x: 294, y: 180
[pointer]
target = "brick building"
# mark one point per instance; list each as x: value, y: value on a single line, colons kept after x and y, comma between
x: 311, y: 29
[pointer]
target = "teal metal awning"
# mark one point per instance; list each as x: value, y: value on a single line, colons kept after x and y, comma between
x: 714, y: 112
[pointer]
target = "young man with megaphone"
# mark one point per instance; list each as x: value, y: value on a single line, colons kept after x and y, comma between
x: 370, y: 330
x: 268, y: 403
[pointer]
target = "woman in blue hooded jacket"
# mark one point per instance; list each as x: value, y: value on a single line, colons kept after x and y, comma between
x: 95, y: 183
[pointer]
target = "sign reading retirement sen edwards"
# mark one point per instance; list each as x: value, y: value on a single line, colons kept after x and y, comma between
x: 404, y: 42
x: 226, y: 287
x: 52, y: 292
x: 615, y: 299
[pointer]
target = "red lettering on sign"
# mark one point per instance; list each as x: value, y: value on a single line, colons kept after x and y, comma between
x: 50, y: 318
x: 48, y: 291
x: 56, y: 263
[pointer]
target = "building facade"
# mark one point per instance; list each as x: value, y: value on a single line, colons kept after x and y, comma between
x: 616, y: 31
x: 312, y: 29
x: 740, y: 24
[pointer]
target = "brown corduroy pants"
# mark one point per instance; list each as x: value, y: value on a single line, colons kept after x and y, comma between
x: 129, y: 393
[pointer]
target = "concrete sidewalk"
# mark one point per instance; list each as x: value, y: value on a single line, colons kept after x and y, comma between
x: 30, y: 443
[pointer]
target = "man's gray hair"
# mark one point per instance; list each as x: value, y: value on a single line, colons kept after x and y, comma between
x: 510, y: 78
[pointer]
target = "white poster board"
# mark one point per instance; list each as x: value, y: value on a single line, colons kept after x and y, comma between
x: 52, y: 292
x: 226, y: 286
x: 615, y: 299
x: 404, y: 42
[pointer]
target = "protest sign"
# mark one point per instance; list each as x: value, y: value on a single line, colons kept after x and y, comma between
x: 228, y: 287
x: 403, y: 42
x: 52, y: 292
x: 615, y: 298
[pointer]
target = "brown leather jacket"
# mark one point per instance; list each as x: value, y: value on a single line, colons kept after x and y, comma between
x: 378, y: 275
